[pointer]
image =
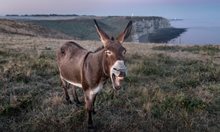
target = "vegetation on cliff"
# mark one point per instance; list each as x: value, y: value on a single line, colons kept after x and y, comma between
x: 144, y: 28
x: 21, y: 28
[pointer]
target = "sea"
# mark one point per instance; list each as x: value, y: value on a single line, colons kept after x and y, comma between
x: 199, y: 31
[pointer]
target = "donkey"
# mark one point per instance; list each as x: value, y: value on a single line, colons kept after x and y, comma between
x: 90, y: 70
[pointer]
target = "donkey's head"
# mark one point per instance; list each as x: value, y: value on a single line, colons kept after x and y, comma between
x: 114, y: 52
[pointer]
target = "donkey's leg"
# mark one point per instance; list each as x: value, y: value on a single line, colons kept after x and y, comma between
x: 75, y: 96
x: 89, y: 100
x: 65, y: 86
x: 93, y: 107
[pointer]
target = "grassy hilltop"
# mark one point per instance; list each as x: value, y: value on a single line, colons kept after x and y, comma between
x: 145, y: 29
x: 22, y: 28
x: 148, y: 29
x: 168, y: 88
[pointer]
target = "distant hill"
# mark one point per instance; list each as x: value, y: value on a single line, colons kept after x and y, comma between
x: 40, y: 15
x: 28, y: 29
x: 145, y: 29
x: 83, y: 28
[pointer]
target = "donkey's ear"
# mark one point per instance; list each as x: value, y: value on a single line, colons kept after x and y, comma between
x: 102, y: 35
x: 123, y: 35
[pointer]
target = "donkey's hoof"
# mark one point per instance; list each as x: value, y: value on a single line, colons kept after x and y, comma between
x: 78, y: 104
x: 91, y: 127
x: 68, y: 102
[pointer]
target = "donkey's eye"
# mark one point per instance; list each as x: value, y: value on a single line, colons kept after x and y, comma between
x: 108, y: 52
x: 124, y: 52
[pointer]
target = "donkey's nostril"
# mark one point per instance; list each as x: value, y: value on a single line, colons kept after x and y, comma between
x: 122, y: 74
x: 115, y: 69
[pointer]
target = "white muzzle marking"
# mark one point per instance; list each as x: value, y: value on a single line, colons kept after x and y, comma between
x: 117, y: 68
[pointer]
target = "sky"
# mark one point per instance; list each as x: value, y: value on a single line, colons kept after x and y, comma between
x: 165, y: 8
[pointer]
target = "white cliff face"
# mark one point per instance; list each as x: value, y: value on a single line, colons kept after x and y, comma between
x: 145, y: 26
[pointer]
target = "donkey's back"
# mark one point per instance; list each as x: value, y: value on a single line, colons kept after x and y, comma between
x: 70, y: 57
x: 70, y: 50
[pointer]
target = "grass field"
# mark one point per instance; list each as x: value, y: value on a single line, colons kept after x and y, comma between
x: 168, y: 88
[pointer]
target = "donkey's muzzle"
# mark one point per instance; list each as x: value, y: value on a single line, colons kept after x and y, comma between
x: 118, y: 79
x: 122, y: 74
x: 118, y: 72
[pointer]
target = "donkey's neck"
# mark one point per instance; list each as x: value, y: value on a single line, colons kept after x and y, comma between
x: 93, y: 68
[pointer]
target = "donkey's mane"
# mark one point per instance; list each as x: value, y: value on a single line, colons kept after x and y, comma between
x: 99, y: 48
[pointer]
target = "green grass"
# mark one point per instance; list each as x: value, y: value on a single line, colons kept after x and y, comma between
x: 161, y: 93
x: 207, y: 49
x: 164, y: 35
x: 168, y: 48
x: 83, y: 29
